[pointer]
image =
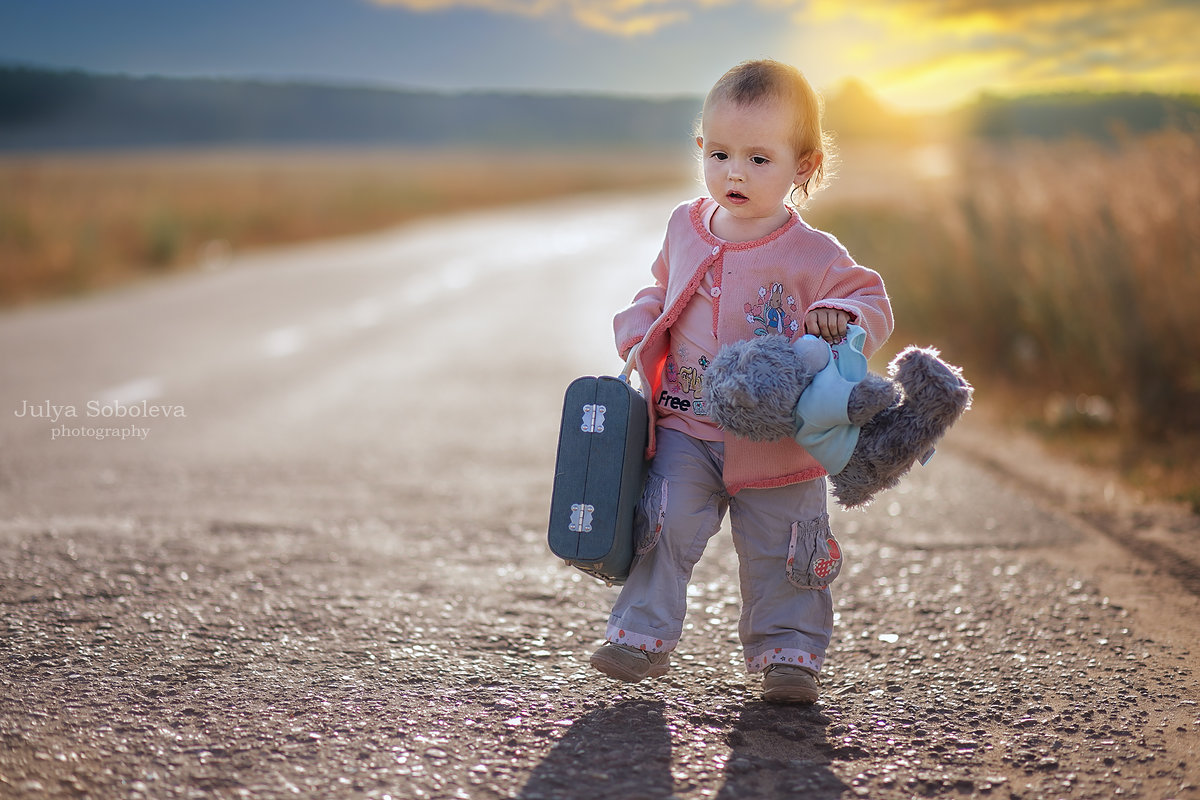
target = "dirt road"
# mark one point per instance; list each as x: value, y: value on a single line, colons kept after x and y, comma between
x: 315, y: 565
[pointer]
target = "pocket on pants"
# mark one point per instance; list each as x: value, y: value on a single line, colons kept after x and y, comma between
x: 650, y: 515
x: 814, y: 555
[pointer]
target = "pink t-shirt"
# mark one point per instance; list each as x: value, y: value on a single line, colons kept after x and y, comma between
x: 693, y: 346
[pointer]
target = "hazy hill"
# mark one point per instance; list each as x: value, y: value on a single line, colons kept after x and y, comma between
x: 42, y: 109
x: 854, y: 112
x: 54, y: 110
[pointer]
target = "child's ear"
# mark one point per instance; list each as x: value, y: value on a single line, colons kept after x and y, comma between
x: 810, y: 162
x: 700, y: 142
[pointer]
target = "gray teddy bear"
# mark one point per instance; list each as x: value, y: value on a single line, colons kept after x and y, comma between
x: 865, y: 429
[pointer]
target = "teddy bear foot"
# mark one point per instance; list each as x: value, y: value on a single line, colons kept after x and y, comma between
x: 934, y: 396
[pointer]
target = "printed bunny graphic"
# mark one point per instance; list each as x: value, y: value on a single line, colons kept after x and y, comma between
x: 773, y: 313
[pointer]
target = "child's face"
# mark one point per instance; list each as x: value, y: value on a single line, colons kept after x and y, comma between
x: 749, y: 164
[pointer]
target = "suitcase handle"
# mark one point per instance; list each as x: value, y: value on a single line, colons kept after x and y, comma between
x: 630, y: 363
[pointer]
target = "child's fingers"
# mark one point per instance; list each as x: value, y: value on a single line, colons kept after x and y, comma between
x: 828, y: 323
x: 841, y: 322
x: 812, y: 324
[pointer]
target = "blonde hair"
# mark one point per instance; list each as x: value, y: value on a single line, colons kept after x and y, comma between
x: 751, y: 82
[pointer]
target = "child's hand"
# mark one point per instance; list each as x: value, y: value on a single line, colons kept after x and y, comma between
x: 828, y: 323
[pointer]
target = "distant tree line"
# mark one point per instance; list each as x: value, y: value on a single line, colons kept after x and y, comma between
x: 1097, y: 116
x: 44, y: 109
x: 41, y: 109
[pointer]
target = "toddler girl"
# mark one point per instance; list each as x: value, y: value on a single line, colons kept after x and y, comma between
x: 736, y: 264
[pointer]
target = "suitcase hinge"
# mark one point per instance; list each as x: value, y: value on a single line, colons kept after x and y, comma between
x: 581, y: 517
x: 593, y: 418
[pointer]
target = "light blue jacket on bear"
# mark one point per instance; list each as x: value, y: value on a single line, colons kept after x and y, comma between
x: 825, y: 430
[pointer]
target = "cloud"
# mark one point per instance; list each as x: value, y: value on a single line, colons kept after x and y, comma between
x: 524, y: 7
x: 913, y: 52
x: 616, y: 17
x: 1032, y: 44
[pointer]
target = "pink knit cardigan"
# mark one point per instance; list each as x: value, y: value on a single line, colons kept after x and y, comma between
x: 767, y: 285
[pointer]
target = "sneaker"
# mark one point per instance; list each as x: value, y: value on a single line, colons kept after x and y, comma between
x: 630, y: 664
x: 783, y: 683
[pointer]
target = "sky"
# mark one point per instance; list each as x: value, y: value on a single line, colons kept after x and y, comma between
x: 915, y: 54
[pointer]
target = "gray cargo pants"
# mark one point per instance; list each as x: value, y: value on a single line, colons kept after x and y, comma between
x: 787, y: 557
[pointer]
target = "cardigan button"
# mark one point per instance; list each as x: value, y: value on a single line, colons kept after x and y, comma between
x: 715, y: 291
x: 716, y: 249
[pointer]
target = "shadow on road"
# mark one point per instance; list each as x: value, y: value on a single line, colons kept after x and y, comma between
x: 780, y: 751
x: 624, y: 751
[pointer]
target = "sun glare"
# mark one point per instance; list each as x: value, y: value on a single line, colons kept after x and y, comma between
x: 920, y: 55
x: 938, y: 82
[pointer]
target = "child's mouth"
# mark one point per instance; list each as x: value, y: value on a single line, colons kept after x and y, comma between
x: 737, y: 197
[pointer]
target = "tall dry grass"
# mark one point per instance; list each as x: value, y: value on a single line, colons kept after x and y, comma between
x: 1065, y: 270
x: 70, y: 224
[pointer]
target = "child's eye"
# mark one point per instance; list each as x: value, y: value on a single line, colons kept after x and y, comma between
x: 759, y: 160
x: 718, y: 155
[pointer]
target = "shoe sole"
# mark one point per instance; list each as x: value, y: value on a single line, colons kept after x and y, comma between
x: 789, y: 694
x: 801, y: 697
x: 614, y: 667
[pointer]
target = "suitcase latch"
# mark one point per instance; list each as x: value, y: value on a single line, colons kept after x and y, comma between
x: 581, y: 517
x: 593, y: 418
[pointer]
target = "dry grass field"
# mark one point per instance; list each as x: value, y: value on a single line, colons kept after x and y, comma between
x: 72, y: 224
x: 1064, y: 276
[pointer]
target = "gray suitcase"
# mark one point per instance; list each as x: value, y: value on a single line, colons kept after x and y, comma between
x: 598, y: 476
